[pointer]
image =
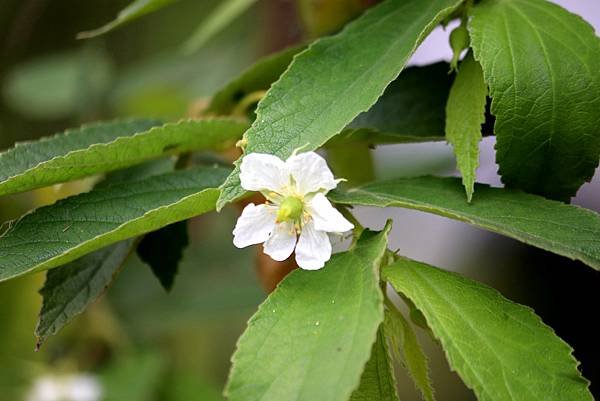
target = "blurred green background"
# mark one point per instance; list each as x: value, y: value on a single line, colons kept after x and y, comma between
x: 147, y: 345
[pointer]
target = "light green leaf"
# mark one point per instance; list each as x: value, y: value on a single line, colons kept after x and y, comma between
x: 54, y: 235
x: 258, y: 77
x: 337, y: 78
x: 135, y: 10
x: 294, y: 349
x: 406, y: 350
x: 567, y: 230
x: 465, y: 112
x: 225, y: 12
x: 70, y: 289
x: 541, y: 65
x: 502, y: 350
x: 377, y: 381
x: 108, y: 146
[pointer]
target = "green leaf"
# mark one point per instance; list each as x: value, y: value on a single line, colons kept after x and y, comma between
x: 501, y: 350
x: 567, y: 230
x: 407, y: 351
x: 223, y: 15
x: 70, y: 289
x: 293, y: 348
x: 337, y: 78
x: 541, y: 65
x: 102, y: 147
x: 377, y: 381
x: 135, y: 10
x: 54, y: 235
x: 412, y: 108
x: 258, y: 77
x: 465, y: 113
x: 162, y: 250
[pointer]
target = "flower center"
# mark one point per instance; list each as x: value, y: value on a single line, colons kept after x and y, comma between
x: 290, y: 209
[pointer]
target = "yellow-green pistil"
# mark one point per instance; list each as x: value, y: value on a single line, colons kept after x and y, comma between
x: 290, y: 209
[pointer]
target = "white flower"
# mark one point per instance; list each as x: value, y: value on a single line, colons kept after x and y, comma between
x: 297, y: 214
x: 66, y: 388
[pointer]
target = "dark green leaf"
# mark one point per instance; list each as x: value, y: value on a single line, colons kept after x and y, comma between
x: 465, y: 113
x: 295, y: 348
x: 70, y: 289
x: 563, y: 229
x: 337, y: 78
x: 410, y: 109
x: 54, y: 235
x: 163, y: 249
x: 377, y: 382
x: 541, y: 64
x: 102, y: 147
x: 137, y: 9
x: 502, y: 350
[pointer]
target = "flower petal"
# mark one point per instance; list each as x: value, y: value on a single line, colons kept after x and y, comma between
x: 254, y: 225
x: 260, y: 172
x: 282, y: 241
x: 326, y: 217
x: 313, y: 248
x: 311, y: 173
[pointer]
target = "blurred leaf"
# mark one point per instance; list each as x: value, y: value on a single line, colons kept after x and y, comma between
x: 353, y: 162
x: 296, y: 331
x: 377, y: 381
x: 108, y: 146
x: 407, y: 351
x: 567, y: 230
x: 163, y: 249
x: 258, y: 77
x: 322, y: 17
x: 225, y: 12
x: 70, y: 289
x: 465, y: 112
x: 189, y: 387
x: 54, y: 235
x: 502, y: 350
x: 60, y: 85
x: 137, y: 9
x: 541, y: 64
x: 133, y: 377
x: 337, y: 78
